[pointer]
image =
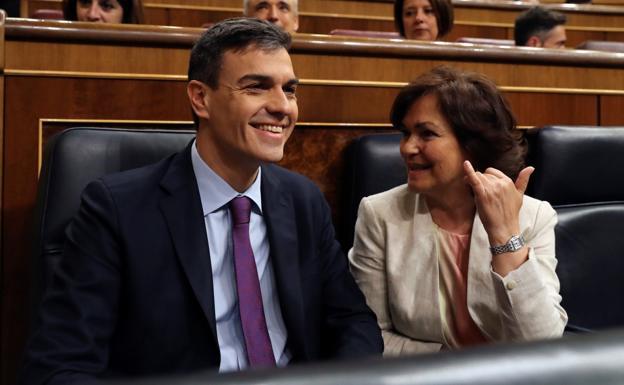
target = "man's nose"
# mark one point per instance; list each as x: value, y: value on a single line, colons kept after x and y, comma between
x: 273, y: 14
x: 280, y: 104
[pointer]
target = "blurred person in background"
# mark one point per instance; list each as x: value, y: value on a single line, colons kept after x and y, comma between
x: 104, y: 11
x: 423, y: 19
x: 283, y: 13
x: 540, y: 27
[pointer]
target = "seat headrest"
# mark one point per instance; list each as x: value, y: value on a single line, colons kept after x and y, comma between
x: 77, y: 156
x: 576, y: 164
x: 373, y: 164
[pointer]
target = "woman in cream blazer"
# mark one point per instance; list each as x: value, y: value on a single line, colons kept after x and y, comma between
x: 511, y: 290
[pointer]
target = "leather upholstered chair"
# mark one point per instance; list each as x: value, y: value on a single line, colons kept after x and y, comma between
x: 579, y: 171
x: 72, y: 159
x: 373, y: 164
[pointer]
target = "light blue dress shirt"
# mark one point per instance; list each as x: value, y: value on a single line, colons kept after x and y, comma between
x: 215, y: 195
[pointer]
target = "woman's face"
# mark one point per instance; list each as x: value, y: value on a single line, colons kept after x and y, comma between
x: 100, y: 11
x: 419, y: 20
x: 430, y: 149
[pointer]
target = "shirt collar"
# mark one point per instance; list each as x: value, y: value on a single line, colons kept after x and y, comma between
x: 214, y: 191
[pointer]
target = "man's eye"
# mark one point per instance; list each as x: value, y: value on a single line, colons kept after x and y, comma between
x: 255, y: 87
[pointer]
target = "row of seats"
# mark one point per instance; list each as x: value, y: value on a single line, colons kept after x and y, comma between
x: 576, y: 171
x: 593, y: 45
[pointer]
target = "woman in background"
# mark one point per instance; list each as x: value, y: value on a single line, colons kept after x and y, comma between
x: 104, y: 11
x: 458, y: 257
x: 423, y: 19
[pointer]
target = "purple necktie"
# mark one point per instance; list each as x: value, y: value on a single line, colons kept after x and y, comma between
x: 259, y: 349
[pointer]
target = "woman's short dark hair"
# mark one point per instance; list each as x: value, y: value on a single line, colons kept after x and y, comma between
x: 443, y: 10
x: 132, y: 11
x: 476, y: 111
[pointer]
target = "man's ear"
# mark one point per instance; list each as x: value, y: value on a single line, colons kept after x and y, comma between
x: 199, y: 98
x: 534, y: 41
x: 296, y: 26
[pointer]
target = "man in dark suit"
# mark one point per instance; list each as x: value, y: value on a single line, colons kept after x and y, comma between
x: 155, y: 276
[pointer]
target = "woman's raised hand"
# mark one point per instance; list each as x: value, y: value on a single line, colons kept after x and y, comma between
x: 498, y: 200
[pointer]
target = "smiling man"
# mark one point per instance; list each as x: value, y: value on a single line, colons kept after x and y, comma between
x: 213, y: 257
x: 283, y: 13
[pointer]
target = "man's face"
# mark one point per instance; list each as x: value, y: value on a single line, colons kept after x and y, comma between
x: 555, y: 38
x: 282, y: 13
x: 253, y: 111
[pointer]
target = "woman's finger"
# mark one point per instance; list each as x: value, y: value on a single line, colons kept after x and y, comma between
x: 495, y: 172
x: 523, y: 179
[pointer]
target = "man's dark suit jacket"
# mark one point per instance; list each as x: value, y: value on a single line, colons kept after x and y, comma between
x: 133, y: 294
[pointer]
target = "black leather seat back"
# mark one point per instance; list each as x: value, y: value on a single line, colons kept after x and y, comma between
x: 578, y: 170
x: 577, y: 164
x: 373, y: 164
x: 72, y: 159
x: 590, y: 244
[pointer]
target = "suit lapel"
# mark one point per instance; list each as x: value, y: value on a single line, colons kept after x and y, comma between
x: 278, y: 213
x: 183, y: 212
x: 425, y: 261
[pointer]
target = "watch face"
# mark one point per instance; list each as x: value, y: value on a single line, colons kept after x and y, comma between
x: 516, y: 242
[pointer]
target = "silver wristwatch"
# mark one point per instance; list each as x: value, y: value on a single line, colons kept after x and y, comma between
x: 514, y: 243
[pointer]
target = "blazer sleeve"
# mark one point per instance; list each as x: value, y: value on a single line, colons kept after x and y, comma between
x: 79, y: 311
x: 368, y: 266
x: 351, y: 324
x: 529, y: 297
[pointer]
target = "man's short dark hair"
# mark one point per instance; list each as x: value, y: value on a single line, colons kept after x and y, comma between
x: 536, y: 21
x: 237, y: 35
x: 478, y: 114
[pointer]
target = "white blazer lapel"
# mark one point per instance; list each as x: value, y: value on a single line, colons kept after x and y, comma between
x: 412, y: 253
